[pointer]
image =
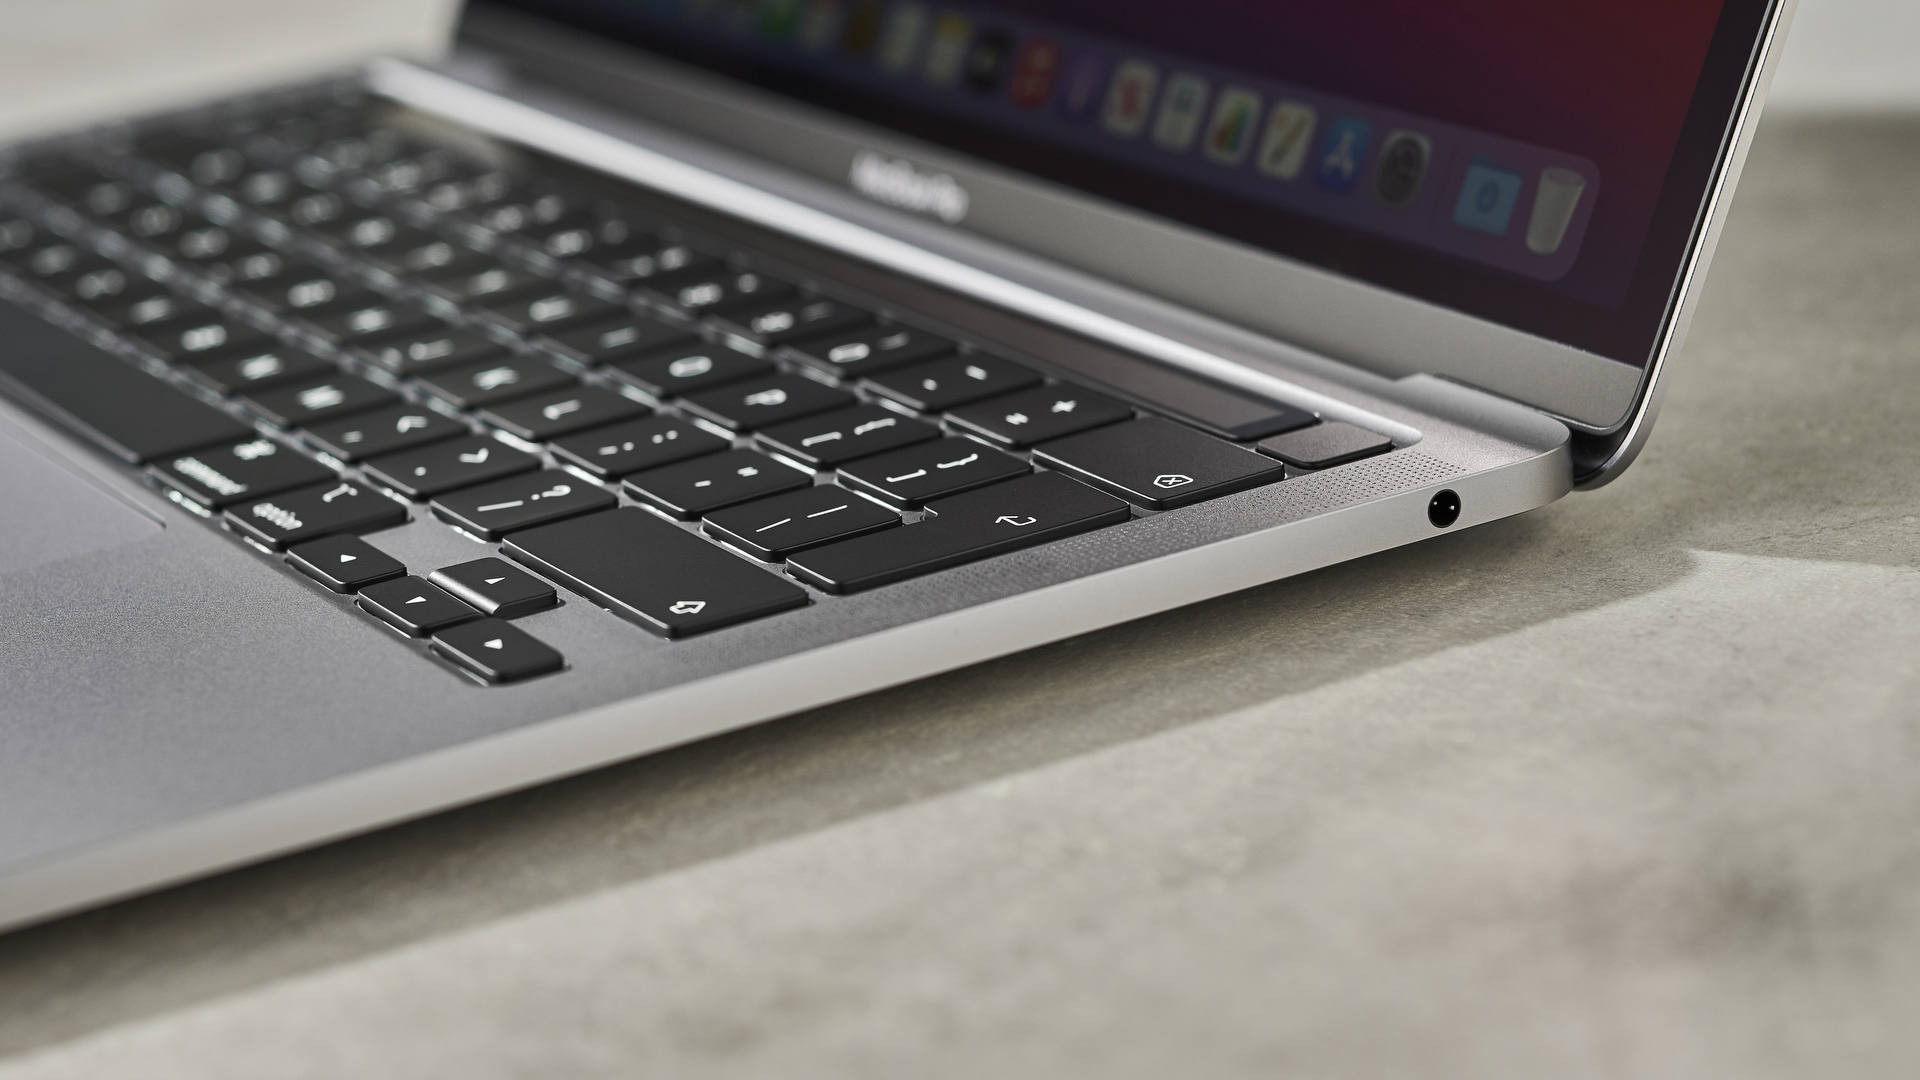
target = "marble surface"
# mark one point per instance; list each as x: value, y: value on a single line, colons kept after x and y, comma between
x: 1627, y: 787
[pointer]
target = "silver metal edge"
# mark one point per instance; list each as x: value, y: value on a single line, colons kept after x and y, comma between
x: 597, y: 737
x: 494, y: 114
x: 1713, y: 215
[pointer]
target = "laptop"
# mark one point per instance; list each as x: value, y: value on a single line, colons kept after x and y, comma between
x: 646, y: 369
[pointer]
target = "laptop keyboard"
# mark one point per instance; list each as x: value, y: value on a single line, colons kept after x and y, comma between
x: 337, y: 327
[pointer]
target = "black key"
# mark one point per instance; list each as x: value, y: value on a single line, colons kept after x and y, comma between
x: 115, y: 405
x: 319, y: 399
x: 1034, y: 416
x: 867, y: 350
x: 334, y: 506
x: 438, y: 260
x: 413, y: 606
x: 218, y: 476
x: 313, y: 211
x: 656, y: 268
x: 692, y: 488
x: 151, y: 221
x: 575, y: 239
x: 513, y: 217
x: 427, y: 471
x: 158, y: 310
x: 1159, y: 464
x: 828, y: 439
x: 496, y: 651
x: 376, y: 235
x: 50, y: 262
x: 210, y: 243
x: 305, y: 292
x: 553, y: 312
x: 696, y: 365
x: 991, y: 521
x: 188, y: 340
x: 260, y: 273
x: 773, y: 528
x: 558, y: 412
x: 372, y: 322
x: 1325, y: 445
x: 908, y: 478
x: 725, y: 288
x: 939, y: 385
x: 494, y: 285
x: 762, y: 402
x: 789, y: 320
x: 17, y: 234
x: 643, y: 569
x: 382, y: 431
x: 496, y: 587
x: 636, y: 445
x: 274, y: 363
x: 491, y: 511
x: 99, y: 285
x: 268, y: 187
x: 431, y: 350
x: 622, y: 337
x: 489, y: 381
x: 344, y: 563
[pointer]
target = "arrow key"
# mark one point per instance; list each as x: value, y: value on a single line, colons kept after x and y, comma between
x: 496, y: 651
x: 344, y: 563
x: 412, y: 606
x: 496, y: 587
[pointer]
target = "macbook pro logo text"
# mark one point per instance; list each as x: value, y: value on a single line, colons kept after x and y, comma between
x: 897, y: 183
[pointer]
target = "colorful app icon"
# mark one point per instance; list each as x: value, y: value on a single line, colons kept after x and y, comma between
x: 1180, y: 110
x: 1553, y: 206
x: 1283, y: 149
x: 1034, y: 71
x: 987, y: 61
x: 1342, y: 154
x: 900, y: 38
x: 1487, y: 198
x: 1129, y: 97
x: 820, y: 26
x: 1401, y: 168
x: 1086, y: 76
x: 947, y: 54
x: 1230, y: 132
x: 863, y: 29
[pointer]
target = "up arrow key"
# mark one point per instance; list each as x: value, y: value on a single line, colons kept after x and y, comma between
x: 494, y: 643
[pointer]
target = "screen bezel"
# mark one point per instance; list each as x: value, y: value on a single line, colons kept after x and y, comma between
x: 1349, y: 319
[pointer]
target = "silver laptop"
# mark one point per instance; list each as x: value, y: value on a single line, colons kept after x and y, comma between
x: 652, y: 368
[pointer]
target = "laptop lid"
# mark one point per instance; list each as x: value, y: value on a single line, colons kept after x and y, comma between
x: 1513, y: 195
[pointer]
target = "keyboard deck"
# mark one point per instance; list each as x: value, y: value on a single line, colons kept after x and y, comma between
x: 312, y: 321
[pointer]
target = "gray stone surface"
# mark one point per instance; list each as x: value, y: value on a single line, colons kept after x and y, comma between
x: 1629, y: 787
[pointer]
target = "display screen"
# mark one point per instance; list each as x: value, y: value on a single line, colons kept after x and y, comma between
x: 1536, y: 164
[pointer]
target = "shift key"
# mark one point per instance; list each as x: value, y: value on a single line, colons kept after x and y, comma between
x: 667, y: 580
x: 989, y: 521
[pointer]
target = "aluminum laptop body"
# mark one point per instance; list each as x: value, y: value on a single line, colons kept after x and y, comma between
x: 1363, y: 323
